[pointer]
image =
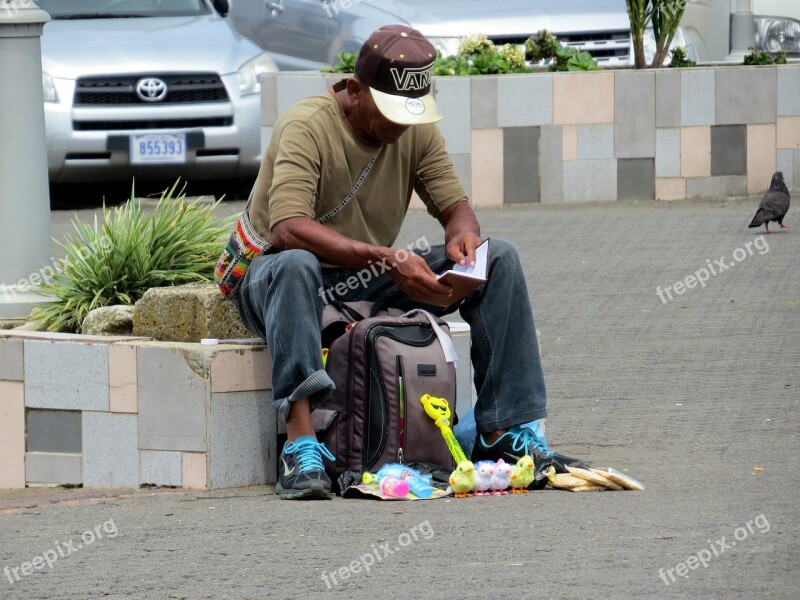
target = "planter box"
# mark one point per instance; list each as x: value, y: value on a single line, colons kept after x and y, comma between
x: 120, y: 412
x: 664, y: 134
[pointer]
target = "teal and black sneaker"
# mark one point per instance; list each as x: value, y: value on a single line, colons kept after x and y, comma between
x: 301, y: 474
x: 518, y: 442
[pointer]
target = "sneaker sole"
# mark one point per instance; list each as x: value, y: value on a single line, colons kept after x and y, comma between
x: 317, y: 491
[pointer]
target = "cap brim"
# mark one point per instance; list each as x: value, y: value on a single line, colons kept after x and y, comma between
x: 407, y: 111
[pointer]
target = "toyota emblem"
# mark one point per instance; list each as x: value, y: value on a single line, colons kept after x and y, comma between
x: 151, y: 89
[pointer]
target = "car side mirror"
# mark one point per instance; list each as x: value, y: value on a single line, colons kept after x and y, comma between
x: 222, y: 7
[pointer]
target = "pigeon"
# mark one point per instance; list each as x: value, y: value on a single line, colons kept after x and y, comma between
x: 774, y: 205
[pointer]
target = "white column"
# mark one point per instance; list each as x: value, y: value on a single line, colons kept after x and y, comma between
x: 743, y: 29
x: 24, y: 191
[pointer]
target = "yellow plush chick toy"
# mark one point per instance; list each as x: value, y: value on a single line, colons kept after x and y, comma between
x: 463, y: 479
x: 522, y: 475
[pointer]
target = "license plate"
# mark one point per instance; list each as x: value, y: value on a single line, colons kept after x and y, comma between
x: 157, y: 148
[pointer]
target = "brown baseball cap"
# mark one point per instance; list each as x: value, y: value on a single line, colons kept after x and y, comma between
x: 396, y: 62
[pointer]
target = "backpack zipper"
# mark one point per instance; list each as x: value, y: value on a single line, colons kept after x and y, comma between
x: 401, y: 398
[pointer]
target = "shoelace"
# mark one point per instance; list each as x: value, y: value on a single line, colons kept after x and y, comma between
x: 309, y: 454
x: 524, y: 438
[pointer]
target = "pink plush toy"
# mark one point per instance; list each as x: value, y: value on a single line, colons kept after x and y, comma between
x: 501, y: 478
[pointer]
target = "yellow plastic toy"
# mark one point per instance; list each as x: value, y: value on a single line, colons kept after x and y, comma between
x: 439, y: 410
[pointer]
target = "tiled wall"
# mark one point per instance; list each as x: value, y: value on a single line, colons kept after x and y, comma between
x: 120, y: 412
x: 117, y: 412
x: 609, y: 135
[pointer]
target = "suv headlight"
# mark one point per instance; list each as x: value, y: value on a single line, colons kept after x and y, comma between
x: 50, y: 94
x: 448, y: 46
x: 249, y: 72
x: 777, y: 34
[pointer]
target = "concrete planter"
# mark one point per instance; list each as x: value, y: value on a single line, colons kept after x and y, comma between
x: 609, y: 135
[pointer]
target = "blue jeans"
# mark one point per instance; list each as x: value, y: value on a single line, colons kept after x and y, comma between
x: 282, y: 297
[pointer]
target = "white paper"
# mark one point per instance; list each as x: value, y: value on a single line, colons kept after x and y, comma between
x: 481, y: 264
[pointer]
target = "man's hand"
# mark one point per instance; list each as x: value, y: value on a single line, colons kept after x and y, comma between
x: 413, y: 276
x: 461, y: 249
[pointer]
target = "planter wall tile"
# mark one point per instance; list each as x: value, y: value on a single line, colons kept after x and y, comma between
x: 66, y: 375
x: 483, y: 102
x: 583, y: 98
x: 697, y: 97
x: 110, y: 452
x: 595, y: 141
x: 241, y: 370
x: 788, y: 92
x: 668, y: 98
x: 122, y: 379
x: 172, y: 402
x: 569, y: 142
x: 788, y: 129
x: 12, y: 435
x: 454, y: 93
x: 160, y: 468
x: 293, y: 88
x: 786, y: 166
x: 521, y: 165
x: 487, y: 167
x: 11, y: 360
x: 695, y: 151
x: 761, y: 163
x: 63, y: 469
x: 635, y: 178
x: 269, y: 98
x: 635, y: 111
x: 242, y: 433
x: 729, y: 150
x: 716, y: 187
x: 53, y: 431
x: 670, y: 188
x: 193, y: 470
x: 668, y: 152
x: 590, y: 180
x: 746, y: 95
x: 796, y: 169
x: 552, y: 142
x: 524, y: 101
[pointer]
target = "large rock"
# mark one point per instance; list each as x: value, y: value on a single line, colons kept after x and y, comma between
x: 109, y: 320
x: 187, y: 313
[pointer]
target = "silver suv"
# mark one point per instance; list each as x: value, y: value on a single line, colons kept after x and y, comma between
x: 151, y: 89
x: 305, y: 34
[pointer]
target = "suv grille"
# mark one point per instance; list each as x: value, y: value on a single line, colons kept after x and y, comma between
x: 609, y: 48
x: 181, y: 89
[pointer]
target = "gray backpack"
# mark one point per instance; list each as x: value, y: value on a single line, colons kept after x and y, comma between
x: 382, y: 361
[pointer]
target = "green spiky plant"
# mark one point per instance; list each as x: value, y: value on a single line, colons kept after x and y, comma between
x: 133, y: 250
x: 639, y: 14
x: 666, y: 18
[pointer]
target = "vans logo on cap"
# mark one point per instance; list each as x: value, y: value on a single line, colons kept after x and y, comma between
x: 412, y: 78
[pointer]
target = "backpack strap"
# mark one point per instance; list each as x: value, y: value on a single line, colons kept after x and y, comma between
x: 445, y: 340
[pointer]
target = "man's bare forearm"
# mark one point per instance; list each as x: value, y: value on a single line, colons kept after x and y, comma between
x: 327, y: 245
x: 459, y: 219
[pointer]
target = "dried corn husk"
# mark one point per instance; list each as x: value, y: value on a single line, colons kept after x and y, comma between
x: 595, y: 478
x: 629, y: 483
x: 589, y: 487
x: 565, y: 481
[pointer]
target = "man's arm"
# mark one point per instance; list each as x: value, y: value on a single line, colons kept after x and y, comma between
x: 411, y: 274
x: 462, y: 233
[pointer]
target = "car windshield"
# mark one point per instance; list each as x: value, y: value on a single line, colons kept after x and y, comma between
x: 115, y: 9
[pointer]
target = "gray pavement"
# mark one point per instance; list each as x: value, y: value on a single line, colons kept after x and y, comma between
x: 698, y: 397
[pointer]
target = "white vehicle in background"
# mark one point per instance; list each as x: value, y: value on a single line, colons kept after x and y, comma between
x: 708, y: 25
x: 149, y: 89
